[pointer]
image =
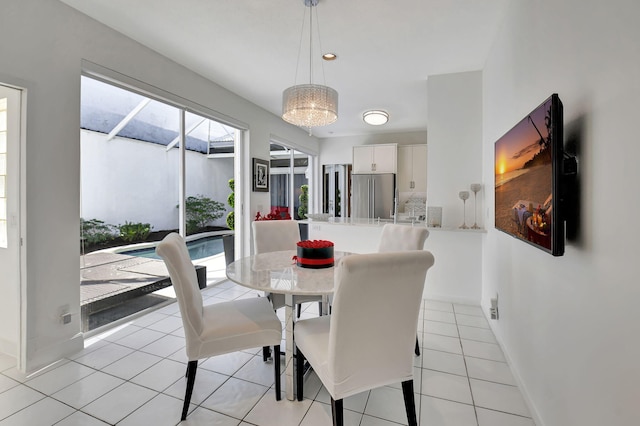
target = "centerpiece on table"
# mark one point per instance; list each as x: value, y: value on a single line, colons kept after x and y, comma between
x: 314, y: 254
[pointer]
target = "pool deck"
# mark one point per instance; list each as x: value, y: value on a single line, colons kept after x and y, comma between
x: 108, y: 278
x: 107, y: 274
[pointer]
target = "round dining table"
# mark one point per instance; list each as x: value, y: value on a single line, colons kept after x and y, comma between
x: 277, y: 272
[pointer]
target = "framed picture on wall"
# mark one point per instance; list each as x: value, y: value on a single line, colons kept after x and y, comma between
x: 260, y: 175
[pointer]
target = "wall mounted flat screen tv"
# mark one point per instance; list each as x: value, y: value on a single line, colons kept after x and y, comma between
x: 528, y: 175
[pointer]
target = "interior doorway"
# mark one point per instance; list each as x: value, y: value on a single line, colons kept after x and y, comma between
x: 336, y: 193
x: 10, y: 211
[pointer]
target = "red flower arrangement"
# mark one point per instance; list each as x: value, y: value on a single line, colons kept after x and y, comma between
x: 315, y: 244
x: 273, y: 216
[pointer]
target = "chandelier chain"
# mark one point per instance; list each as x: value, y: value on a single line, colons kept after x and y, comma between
x: 309, y: 105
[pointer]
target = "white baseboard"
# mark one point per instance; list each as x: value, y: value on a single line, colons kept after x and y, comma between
x: 535, y: 415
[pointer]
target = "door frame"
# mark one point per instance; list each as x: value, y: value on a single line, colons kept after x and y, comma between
x: 18, y: 161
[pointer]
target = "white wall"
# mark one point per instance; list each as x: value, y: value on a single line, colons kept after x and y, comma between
x: 455, y: 135
x: 128, y: 180
x: 453, y: 163
x: 43, y: 45
x: 571, y: 325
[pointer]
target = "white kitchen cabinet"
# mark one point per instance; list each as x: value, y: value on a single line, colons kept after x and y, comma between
x: 412, y: 168
x: 375, y: 158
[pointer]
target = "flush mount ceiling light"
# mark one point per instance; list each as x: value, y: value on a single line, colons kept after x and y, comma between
x: 375, y: 117
x: 309, y: 105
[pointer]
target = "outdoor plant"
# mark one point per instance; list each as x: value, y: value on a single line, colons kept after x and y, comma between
x: 201, y: 210
x: 303, y: 209
x: 231, y: 200
x: 131, y: 232
x: 94, y: 231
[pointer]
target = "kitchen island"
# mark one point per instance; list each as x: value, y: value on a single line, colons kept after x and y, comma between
x: 456, y: 274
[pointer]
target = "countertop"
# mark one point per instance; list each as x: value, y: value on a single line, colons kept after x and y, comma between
x: 362, y: 222
x: 382, y: 222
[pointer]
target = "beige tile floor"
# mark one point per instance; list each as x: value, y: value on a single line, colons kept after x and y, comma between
x: 133, y: 374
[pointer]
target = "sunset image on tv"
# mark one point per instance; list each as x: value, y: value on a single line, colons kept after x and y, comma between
x: 523, y: 179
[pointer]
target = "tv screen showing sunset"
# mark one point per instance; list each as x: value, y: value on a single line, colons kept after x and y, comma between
x: 523, y: 179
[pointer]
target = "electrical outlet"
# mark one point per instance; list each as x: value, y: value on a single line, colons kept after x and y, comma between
x: 65, y: 315
x: 66, y: 318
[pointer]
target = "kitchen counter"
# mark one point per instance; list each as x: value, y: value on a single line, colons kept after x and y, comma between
x: 457, y: 271
x: 381, y: 222
x: 361, y: 222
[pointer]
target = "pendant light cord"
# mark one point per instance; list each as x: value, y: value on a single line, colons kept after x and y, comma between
x: 311, y: 9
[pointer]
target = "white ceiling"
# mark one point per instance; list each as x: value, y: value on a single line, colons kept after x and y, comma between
x: 386, y: 48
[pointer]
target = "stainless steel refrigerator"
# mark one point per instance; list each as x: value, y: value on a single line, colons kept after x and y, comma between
x: 373, y: 196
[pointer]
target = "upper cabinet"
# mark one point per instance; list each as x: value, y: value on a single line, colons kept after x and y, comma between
x: 412, y: 168
x: 375, y: 158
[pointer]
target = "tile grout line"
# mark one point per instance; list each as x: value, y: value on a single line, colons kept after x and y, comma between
x: 473, y: 401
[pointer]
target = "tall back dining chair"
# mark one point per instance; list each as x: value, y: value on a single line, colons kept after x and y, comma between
x: 219, y: 328
x: 274, y: 235
x: 278, y: 235
x: 403, y: 237
x: 362, y: 346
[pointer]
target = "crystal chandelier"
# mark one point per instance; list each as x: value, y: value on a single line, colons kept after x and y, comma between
x: 310, y: 105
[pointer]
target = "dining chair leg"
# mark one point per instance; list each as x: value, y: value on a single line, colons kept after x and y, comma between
x: 300, y: 309
x: 336, y: 411
x: 417, y: 347
x: 299, y: 374
x: 276, y: 369
x: 192, y: 366
x: 266, y: 353
x: 409, y: 402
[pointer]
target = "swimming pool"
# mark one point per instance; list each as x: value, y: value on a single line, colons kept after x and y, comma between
x: 198, y: 249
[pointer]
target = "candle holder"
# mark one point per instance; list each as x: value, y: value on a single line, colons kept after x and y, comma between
x: 464, y: 196
x: 475, y: 187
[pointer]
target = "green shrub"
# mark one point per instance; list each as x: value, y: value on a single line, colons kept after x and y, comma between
x: 303, y: 208
x: 131, y: 232
x: 231, y: 199
x: 201, y: 210
x: 94, y: 231
x: 230, y: 220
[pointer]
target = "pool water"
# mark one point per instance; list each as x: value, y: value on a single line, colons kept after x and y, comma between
x: 198, y: 249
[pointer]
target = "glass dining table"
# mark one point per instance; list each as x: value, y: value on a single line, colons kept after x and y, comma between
x: 277, y: 272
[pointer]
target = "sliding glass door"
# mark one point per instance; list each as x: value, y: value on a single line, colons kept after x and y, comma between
x: 148, y: 168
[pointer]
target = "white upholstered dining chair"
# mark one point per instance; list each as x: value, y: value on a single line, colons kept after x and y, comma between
x: 278, y: 235
x: 219, y: 328
x: 362, y: 346
x: 403, y: 237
